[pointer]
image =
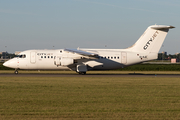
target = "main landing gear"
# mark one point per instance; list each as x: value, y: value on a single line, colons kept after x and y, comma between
x: 81, y: 69
x: 82, y: 73
x: 16, y: 71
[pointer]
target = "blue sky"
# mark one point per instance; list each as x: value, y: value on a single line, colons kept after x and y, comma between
x: 56, y: 24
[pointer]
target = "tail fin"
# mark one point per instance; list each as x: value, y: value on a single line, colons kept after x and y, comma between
x: 152, y: 39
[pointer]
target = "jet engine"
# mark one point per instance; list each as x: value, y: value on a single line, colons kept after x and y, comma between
x: 65, y: 61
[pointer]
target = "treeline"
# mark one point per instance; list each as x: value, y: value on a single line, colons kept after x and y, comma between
x: 137, y: 67
x: 7, y: 55
x: 162, y: 56
x: 152, y: 67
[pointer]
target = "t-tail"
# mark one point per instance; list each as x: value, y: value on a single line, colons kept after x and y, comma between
x: 151, y: 41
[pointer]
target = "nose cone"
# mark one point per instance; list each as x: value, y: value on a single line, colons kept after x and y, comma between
x: 6, y: 64
x: 11, y: 63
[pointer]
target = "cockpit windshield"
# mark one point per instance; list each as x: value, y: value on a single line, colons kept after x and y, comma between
x: 21, y: 56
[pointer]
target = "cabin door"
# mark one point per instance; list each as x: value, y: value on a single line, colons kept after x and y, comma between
x: 33, y: 57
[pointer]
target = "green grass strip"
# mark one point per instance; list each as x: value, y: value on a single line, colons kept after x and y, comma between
x: 89, y: 98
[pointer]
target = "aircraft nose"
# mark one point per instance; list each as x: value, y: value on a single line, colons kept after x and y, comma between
x: 10, y: 63
x: 6, y: 64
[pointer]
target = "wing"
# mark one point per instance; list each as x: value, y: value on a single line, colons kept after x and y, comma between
x: 81, y: 52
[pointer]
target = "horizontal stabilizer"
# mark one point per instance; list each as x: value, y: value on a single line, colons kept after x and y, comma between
x: 160, y: 27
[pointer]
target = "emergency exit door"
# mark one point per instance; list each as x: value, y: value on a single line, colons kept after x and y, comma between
x: 124, y: 57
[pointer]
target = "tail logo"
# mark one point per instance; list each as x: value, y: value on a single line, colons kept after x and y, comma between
x: 151, y: 40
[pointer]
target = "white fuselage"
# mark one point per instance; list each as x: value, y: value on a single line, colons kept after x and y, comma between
x: 51, y: 59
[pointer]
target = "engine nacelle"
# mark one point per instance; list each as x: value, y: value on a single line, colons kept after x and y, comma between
x: 65, y: 61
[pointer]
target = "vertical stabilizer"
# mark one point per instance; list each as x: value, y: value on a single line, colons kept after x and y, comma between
x: 152, y: 39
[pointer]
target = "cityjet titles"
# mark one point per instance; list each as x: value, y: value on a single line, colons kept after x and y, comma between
x: 151, y: 40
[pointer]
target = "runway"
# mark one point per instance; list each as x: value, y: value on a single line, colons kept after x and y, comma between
x: 88, y: 75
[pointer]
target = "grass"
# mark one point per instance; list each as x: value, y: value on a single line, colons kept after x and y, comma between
x: 89, y: 98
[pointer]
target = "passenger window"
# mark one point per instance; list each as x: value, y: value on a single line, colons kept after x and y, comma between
x: 118, y: 57
x: 48, y: 56
x: 44, y: 56
x: 51, y: 56
x: 41, y: 56
x: 111, y: 57
x: 114, y: 57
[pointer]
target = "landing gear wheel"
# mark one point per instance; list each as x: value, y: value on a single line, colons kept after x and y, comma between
x: 82, y: 73
x: 16, y: 72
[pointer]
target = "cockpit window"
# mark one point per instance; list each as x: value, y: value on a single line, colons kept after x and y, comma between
x: 21, y: 56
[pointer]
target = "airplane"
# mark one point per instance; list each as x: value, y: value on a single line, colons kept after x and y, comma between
x: 82, y: 60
